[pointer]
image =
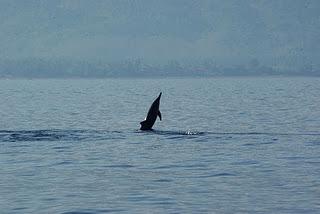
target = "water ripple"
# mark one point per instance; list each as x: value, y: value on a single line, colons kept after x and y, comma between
x: 80, y: 135
x: 88, y: 211
x: 57, y: 135
x: 119, y: 166
x: 223, y: 174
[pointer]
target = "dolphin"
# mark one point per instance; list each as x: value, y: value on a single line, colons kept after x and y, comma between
x: 152, y: 115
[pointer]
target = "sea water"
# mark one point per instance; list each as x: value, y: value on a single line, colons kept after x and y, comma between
x: 224, y: 145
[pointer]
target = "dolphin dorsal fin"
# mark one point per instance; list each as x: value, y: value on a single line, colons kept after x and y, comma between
x: 159, y: 114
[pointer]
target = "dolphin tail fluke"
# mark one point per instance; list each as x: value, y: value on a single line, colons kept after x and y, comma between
x: 159, y: 114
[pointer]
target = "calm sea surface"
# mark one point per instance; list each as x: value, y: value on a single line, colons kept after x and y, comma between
x: 224, y: 145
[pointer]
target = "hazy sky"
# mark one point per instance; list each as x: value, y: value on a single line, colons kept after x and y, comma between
x: 228, y: 31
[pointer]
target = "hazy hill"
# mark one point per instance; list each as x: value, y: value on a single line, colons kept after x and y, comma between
x: 169, y: 37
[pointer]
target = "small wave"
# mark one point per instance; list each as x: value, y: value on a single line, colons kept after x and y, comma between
x: 183, y: 133
x: 91, y: 211
x: 190, y: 133
x: 191, y: 166
x: 223, y: 174
x: 56, y: 135
x: 264, y: 133
x: 163, y: 180
x: 313, y: 143
x: 80, y: 135
x: 124, y: 166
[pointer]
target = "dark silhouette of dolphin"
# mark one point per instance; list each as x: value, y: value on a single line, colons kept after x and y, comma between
x: 152, y: 115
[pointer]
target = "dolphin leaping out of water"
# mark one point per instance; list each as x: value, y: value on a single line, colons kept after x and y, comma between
x: 152, y: 115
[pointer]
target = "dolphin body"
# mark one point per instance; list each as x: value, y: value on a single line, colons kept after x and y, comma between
x: 152, y: 115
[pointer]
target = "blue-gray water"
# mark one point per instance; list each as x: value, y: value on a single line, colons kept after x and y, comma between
x: 225, y: 145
